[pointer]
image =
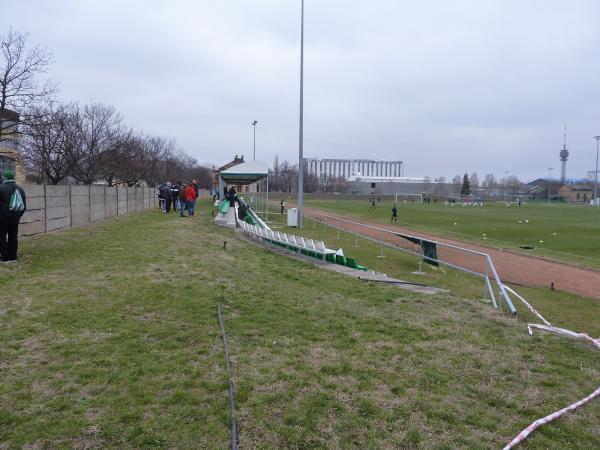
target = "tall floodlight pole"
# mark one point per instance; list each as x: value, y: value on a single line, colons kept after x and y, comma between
x: 550, y: 169
x: 254, y: 127
x: 301, y: 121
x: 596, y: 173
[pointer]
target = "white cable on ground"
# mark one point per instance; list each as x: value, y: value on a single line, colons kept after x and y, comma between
x: 564, y: 332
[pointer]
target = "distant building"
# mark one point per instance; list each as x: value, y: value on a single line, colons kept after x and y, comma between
x: 9, y: 145
x: 575, y: 194
x: 346, y: 168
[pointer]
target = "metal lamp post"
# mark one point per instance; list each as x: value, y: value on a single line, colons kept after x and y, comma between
x: 596, y: 173
x: 254, y: 127
x: 550, y: 169
x: 301, y: 120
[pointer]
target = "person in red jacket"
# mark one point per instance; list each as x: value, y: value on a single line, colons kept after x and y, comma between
x: 190, y: 198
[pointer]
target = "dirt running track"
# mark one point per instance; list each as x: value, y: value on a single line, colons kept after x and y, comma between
x: 512, y: 267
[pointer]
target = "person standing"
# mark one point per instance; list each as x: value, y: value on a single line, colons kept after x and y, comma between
x: 165, y: 192
x: 175, y: 195
x: 282, y: 204
x: 394, y: 214
x: 182, y: 202
x: 12, y: 206
x: 190, y: 198
x: 231, y: 197
x: 196, y: 187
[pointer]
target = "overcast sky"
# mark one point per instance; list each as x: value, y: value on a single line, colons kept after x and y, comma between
x: 445, y: 86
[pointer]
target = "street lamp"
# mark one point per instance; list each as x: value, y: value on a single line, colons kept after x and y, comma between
x: 301, y: 120
x: 254, y: 127
x: 550, y: 169
x: 596, y: 173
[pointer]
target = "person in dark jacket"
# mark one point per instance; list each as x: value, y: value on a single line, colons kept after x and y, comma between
x: 9, y: 219
x: 232, y: 195
x: 167, y: 196
x: 242, y: 210
x: 175, y: 195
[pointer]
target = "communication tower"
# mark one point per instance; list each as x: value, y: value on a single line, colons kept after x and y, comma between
x: 564, y: 155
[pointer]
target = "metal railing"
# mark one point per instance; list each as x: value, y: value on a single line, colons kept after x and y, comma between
x: 489, y: 271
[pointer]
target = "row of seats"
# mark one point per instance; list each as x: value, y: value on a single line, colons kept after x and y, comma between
x: 307, y: 246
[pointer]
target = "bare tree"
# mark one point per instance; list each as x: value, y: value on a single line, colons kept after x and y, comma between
x: 440, y: 186
x: 456, y: 184
x: 289, y: 176
x: 489, y: 183
x: 513, y: 184
x: 94, y: 128
x: 19, y: 68
x: 46, y: 147
x: 474, y: 179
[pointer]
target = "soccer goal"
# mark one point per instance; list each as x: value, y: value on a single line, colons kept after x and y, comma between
x: 402, y: 197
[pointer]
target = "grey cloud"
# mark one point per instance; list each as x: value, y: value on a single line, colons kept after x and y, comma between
x: 446, y: 86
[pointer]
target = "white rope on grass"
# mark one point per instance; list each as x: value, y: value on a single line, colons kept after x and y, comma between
x: 529, y: 307
x: 563, y: 332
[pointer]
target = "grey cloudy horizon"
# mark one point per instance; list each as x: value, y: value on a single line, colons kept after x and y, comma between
x: 447, y: 87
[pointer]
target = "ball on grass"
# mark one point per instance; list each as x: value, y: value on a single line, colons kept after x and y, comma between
x: 541, y: 242
x: 520, y: 221
x: 553, y: 234
x: 454, y: 223
x: 526, y: 221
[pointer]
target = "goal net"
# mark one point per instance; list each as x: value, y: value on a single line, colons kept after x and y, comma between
x: 402, y: 197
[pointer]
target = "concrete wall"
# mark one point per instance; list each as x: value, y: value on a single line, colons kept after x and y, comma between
x: 51, y: 208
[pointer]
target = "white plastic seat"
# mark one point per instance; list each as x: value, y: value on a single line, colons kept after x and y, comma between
x: 320, y: 246
x: 310, y: 244
x: 292, y: 239
x: 283, y: 238
x: 300, y: 242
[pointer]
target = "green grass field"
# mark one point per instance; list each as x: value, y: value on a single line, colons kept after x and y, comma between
x: 569, y: 233
x: 109, y: 339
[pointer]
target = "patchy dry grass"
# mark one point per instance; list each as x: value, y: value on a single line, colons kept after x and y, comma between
x: 109, y: 339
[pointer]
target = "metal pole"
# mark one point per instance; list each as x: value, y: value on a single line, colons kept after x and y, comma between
x: 267, y: 213
x: 596, y: 173
x: 254, y: 127
x: 301, y: 124
x: 549, y: 176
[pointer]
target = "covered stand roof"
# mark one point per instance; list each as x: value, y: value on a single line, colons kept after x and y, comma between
x: 245, y: 173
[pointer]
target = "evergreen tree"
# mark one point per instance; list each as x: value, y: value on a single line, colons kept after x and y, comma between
x: 466, y: 185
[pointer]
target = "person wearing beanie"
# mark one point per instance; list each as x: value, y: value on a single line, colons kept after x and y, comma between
x: 12, y: 206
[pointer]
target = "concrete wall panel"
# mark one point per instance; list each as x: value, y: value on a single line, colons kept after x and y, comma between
x: 52, y: 208
x: 58, y: 223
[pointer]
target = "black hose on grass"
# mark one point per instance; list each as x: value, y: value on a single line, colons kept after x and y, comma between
x: 234, y: 424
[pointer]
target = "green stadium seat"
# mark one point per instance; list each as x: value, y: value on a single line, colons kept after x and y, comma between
x: 351, y: 262
x: 339, y: 259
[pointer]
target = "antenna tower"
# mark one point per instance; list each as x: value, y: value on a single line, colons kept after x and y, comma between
x: 564, y: 155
